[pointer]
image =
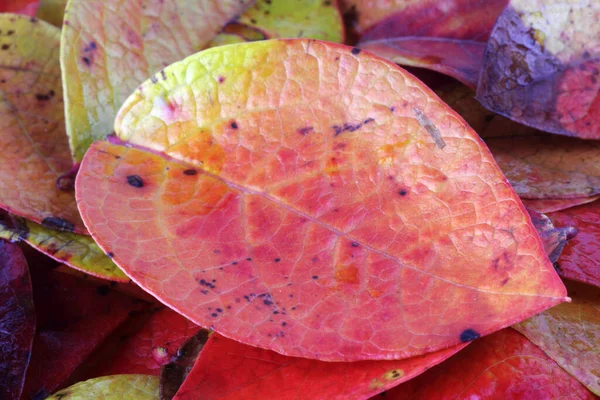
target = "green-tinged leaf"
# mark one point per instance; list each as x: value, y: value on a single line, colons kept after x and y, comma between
x: 77, y: 251
x: 315, y: 19
x: 111, y: 46
x: 126, y: 387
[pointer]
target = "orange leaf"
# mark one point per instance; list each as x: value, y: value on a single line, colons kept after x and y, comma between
x: 307, y: 159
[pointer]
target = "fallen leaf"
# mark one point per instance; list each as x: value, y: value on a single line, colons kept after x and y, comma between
x: 73, y: 319
x: 343, y: 198
x: 504, y: 365
x: 548, y: 167
x: 75, y: 250
x: 103, y: 63
x: 541, y: 66
x: 554, y: 239
x: 130, y: 387
x: 316, y: 19
x: 460, y: 59
x: 152, y: 346
x: 580, y: 260
x: 34, y: 146
x: 459, y: 19
x: 486, y: 123
x: 173, y: 374
x: 17, y: 320
x: 52, y: 11
x: 552, y: 205
x: 570, y: 334
x: 227, y: 369
x: 26, y: 7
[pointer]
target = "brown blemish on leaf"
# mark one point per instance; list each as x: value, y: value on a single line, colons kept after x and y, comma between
x: 306, y: 130
x: 346, y: 274
x: 429, y: 127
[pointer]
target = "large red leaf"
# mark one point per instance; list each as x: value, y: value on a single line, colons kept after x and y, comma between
x: 541, y: 66
x: 580, y: 260
x: 73, y: 318
x: 570, y: 334
x: 504, y: 365
x: 227, y: 369
x: 17, y: 320
x: 316, y: 201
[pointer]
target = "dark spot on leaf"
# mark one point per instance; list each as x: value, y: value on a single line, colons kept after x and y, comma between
x: 504, y: 281
x: 234, y: 125
x: 190, y: 172
x: 355, y: 51
x: 327, y: 3
x: 110, y: 254
x: 214, y: 314
x: 221, y: 79
x: 154, y: 79
x: 557, y: 268
x: 234, y: 263
x: 402, y: 192
x: 135, y: 181
x: 5, y: 46
x: 102, y: 290
x: 10, y: 32
x: 86, y: 61
x: 58, y: 223
x: 248, y: 259
x: 207, y: 284
x: 305, y: 131
x: 277, y: 259
x: 315, y: 277
x: 283, y: 323
x: 219, y: 310
x: 163, y: 75
x: 368, y: 120
x: 468, y: 335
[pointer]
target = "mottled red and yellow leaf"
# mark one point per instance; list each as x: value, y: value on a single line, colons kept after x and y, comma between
x: 316, y: 186
x: 34, y: 149
x: 111, y: 46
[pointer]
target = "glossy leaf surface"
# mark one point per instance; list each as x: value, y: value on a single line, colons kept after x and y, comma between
x: 504, y: 365
x: 541, y: 66
x: 130, y: 387
x: 570, y: 334
x: 541, y: 167
x: 32, y: 132
x: 231, y: 370
x: 77, y: 251
x: 342, y: 196
x: 580, y: 259
x: 73, y: 319
x: 103, y: 63
x: 17, y: 320
x: 152, y: 346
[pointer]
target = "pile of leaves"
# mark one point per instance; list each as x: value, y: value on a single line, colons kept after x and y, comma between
x: 251, y: 199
